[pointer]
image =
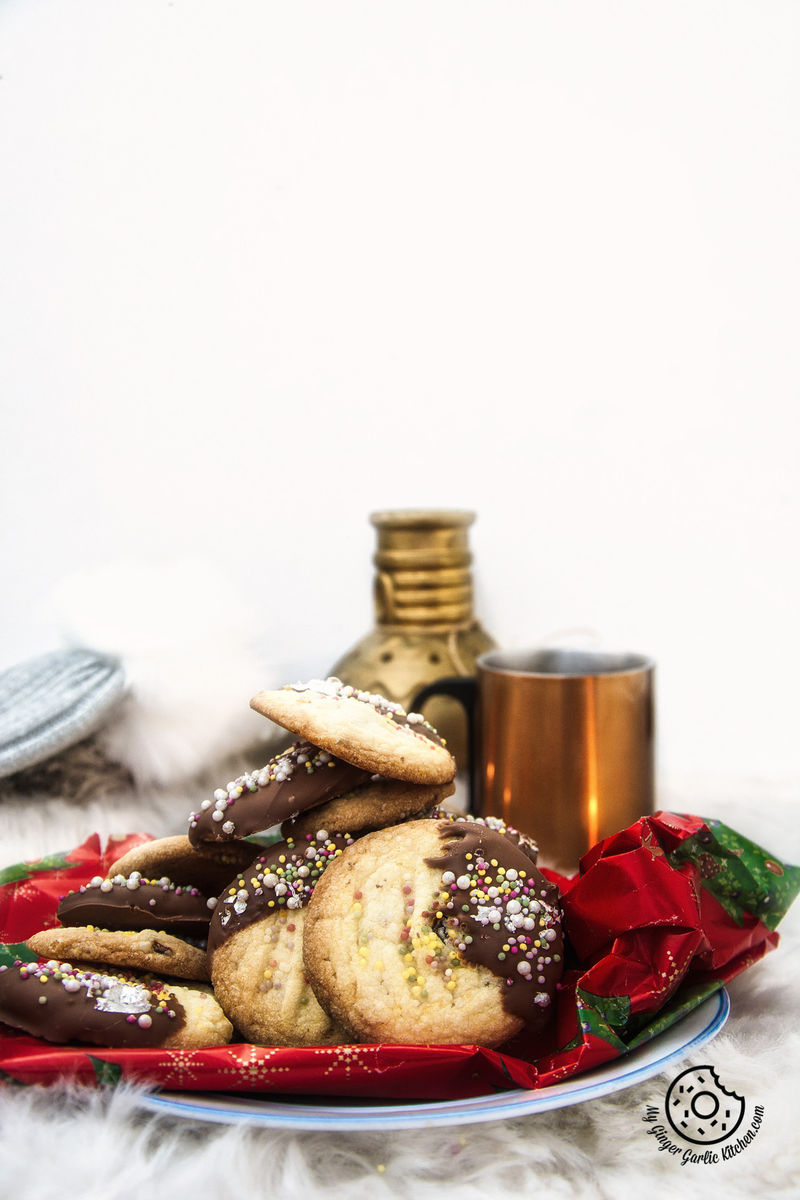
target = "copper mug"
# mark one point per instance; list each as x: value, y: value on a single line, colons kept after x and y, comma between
x: 561, y: 743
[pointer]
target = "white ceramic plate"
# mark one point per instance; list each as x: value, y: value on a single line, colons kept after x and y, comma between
x: 697, y: 1028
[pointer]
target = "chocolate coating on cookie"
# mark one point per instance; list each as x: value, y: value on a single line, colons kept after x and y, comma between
x: 525, y: 843
x: 501, y: 913
x: 60, y: 1003
x: 284, y: 877
x: 130, y: 902
x: 294, y: 780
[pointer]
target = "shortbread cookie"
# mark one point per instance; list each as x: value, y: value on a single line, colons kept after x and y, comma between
x: 294, y: 780
x: 362, y: 728
x: 208, y: 867
x: 434, y: 931
x: 63, y: 1003
x: 131, y: 902
x: 140, y: 950
x: 256, y: 946
x: 374, y: 805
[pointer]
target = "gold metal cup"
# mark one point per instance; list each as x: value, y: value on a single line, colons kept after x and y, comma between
x: 563, y: 744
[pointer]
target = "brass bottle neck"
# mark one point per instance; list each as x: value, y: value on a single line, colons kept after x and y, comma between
x: 423, y: 576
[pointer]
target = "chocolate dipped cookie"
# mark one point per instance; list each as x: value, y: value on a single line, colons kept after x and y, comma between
x: 295, y: 780
x: 434, y: 931
x: 126, y: 902
x: 256, y: 945
x: 62, y: 1003
x: 361, y: 728
x: 207, y: 866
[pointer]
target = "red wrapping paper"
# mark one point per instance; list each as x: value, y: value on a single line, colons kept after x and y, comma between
x: 658, y: 917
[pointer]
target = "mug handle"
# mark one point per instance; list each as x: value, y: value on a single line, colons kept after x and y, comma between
x: 464, y: 689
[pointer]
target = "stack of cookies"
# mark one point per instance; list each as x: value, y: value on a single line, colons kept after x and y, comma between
x: 378, y: 916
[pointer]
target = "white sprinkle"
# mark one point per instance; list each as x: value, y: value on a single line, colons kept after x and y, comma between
x: 448, y: 877
x: 542, y: 999
x: 463, y: 883
x: 524, y: 967
x: 221, y: 793
x: 228, y: 827
x: 106, y: 885
x: 211, y: 902
x: 144, y: 1021
x: 217, y: 815
x: 95, y: 881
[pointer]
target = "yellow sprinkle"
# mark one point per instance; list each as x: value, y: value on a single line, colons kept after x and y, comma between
x: 451, y: 985
x: 356, y: 907
x: 416, y: 991
x: 268, y: 974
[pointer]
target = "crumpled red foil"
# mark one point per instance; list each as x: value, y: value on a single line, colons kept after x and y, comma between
x: 658, y: 917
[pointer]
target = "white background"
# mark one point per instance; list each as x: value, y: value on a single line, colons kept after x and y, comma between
x: 266, y: 267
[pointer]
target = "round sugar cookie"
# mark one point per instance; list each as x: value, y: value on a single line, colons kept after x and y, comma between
x: 434, y: 932
x: 62, y: 1003
x: 256, y: 946
x: 140, y: 949
x: 374, y: 805
x: 294, y: 780
x: 362, y: 728
x: 208, y: 866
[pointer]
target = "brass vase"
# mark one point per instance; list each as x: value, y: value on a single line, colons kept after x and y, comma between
x: 425, y: 627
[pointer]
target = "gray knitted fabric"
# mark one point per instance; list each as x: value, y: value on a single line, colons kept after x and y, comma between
x: 53, y: 701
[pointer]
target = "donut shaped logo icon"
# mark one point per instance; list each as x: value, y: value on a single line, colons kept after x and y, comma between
x: 700, y: 1109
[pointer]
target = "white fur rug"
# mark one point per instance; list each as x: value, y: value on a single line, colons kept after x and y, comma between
x: 100, y: 1143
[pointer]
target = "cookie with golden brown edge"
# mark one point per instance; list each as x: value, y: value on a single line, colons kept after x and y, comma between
x: 374, y: 805
x: 208, y: 866
x: 256, y: 946
x: 139, y: 950
x: 434, y: 931
x: 295, y: 780
x: 362, y: 728
x: 63, y: 1003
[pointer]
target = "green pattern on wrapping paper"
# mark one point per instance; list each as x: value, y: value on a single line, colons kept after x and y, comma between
x: 107, y: 1074
x: 598, y: 1014
x: 26, y: 870
x: 11, y: 951
x: 736, y: 872
x: 685, y: 999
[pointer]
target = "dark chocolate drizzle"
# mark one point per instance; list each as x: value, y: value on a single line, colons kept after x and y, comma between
x: 130, y: 902
x: 60, y: 1003
x: 500, y: 912
x: 280, y: 880
x: 294, y: 780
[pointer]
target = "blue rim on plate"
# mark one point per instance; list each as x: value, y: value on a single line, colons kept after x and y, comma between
x: 688, y: 1034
